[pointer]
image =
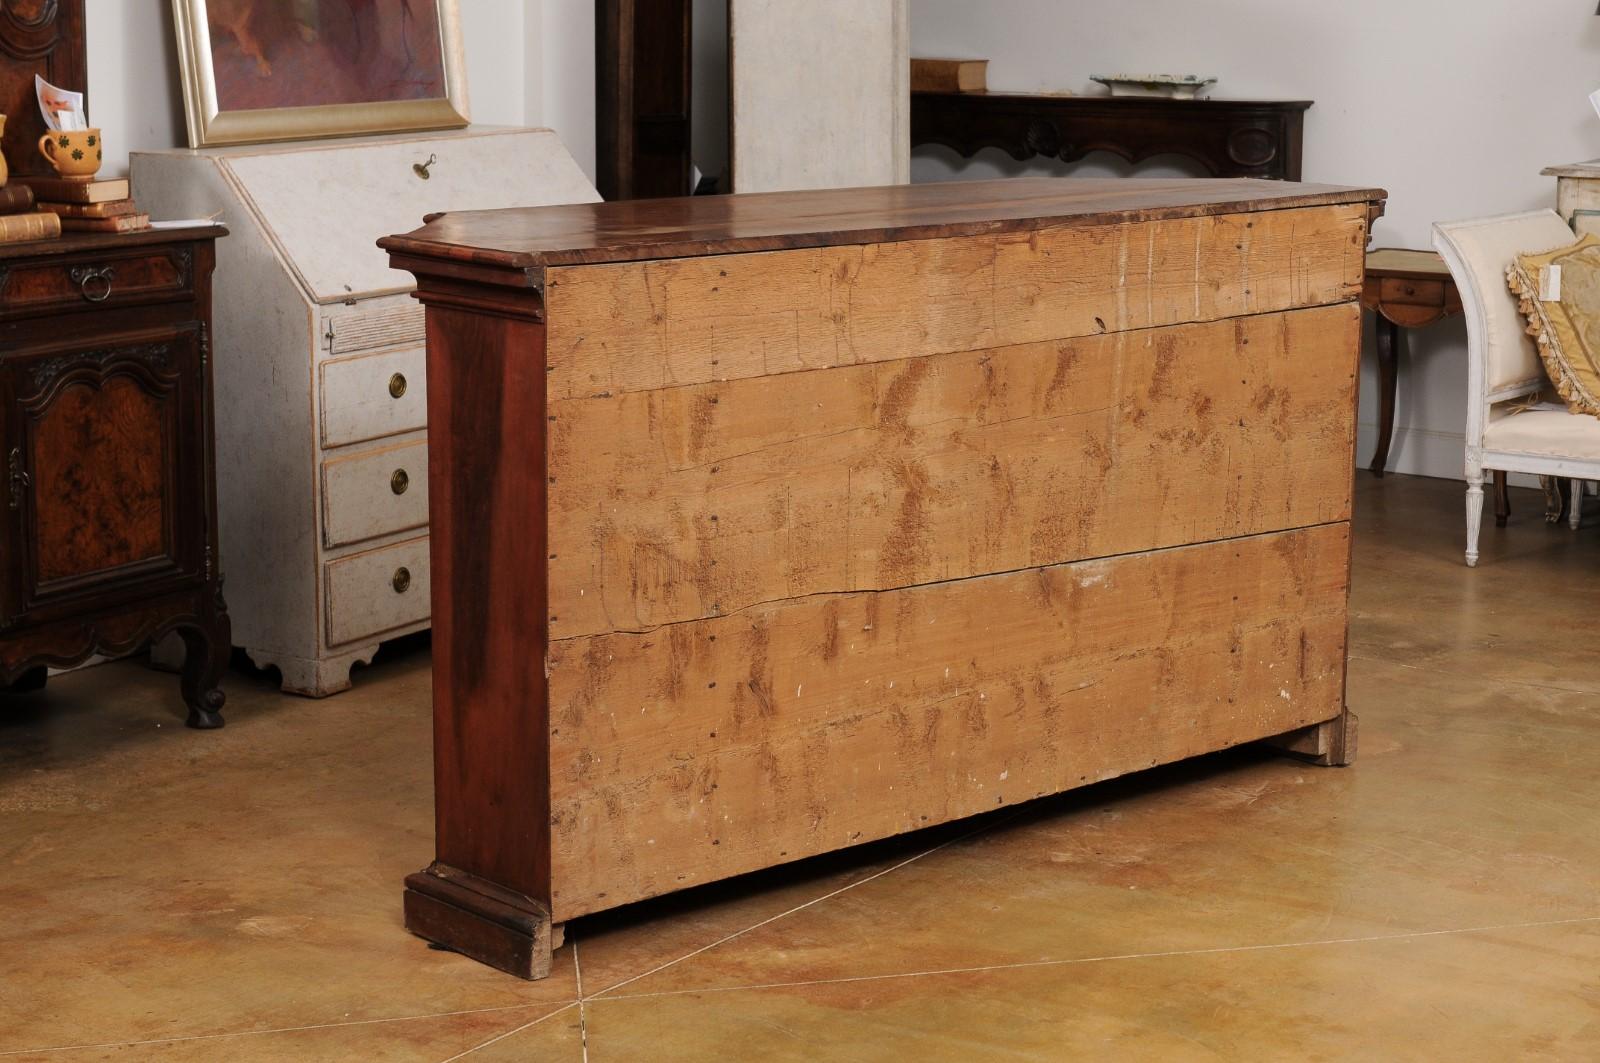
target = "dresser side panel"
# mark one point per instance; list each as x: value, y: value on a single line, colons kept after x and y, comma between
x: 690, y: 502
x: 641, y: 326
x: 711, y: 748
x: 263, y: 347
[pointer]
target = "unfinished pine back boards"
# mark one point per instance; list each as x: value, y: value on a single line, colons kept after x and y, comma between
x: 767, y: 525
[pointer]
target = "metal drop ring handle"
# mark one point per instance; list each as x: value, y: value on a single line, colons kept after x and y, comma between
x: 421, y: 168
x: 84, y: 276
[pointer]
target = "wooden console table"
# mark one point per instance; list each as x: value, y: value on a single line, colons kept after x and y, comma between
x: 1405, y: 289
x: 1230, y: 138
x: 759, y: 530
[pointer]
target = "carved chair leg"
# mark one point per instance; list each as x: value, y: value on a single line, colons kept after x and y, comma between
x: 1555, y: 502
x: 1575, y: 504
x: 1502, y: 499
x: 1474, y: 514
x: 203, y: 668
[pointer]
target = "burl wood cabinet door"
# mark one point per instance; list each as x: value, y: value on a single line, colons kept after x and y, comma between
x: 104, y: 445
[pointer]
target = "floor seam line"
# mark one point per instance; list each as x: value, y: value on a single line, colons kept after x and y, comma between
x: 558, y: 1005
x: 1030, y: 964
x: 497, y: 1038
x: 801, y: 907
x: 583, y: 1011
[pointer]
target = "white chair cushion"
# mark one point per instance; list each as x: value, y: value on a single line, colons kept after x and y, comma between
x: 1487, y: 245
x: 1545, y: 433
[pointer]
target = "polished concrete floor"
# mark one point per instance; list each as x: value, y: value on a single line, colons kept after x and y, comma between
x: 173, y: 895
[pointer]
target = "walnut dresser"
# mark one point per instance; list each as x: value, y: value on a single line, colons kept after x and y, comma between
x: 767, y: 525
x: 322, y: 441
x: 110, y: 531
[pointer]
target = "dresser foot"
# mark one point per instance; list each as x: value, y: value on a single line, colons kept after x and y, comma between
x: 313, y: 677
x: 29, y: 682
x: 1329, y: 744
x: 203, y: 668
x: 485, y: 922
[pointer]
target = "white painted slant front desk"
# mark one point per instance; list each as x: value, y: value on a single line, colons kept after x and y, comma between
x: 322, y: 444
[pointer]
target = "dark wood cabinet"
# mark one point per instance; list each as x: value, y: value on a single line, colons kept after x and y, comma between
x: 1229, y: 138
x: 109, y: 535
x: 43, y: 37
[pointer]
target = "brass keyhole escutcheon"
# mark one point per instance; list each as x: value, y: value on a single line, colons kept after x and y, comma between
x: 402, y: 580
x: 421, y: 168
x: 399, y: 482
x: 397, y: 385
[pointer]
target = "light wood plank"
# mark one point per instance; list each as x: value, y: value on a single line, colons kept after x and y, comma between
x: 639, y: 326
x: 715, y: 747
x: 690, y: 502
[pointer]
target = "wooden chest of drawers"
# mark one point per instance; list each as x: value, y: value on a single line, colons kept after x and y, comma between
x: 767, y: 525
x: 322, y: 441
x: 110, y: 531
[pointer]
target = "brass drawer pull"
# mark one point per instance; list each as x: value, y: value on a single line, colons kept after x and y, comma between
x: 402, y: 580
x: 397, y: 385
x: 93, y: 284
x: 399, y: 482
x: 421, y: 168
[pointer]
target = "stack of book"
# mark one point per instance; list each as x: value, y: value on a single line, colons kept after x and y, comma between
x: 89, y: 204
x: 20, y: 221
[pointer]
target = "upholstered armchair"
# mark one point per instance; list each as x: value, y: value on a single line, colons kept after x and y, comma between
x: 1508, y: 428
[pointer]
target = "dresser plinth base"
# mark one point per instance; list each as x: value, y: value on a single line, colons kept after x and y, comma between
x: 490, y: 924
x: 1330, y: 744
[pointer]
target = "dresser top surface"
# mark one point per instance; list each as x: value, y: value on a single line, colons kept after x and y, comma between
x: 90, y: 243
x: 633, y: 230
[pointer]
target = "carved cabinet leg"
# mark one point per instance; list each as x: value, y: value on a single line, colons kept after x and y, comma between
x: 29, y: 682
x: 1330, y: 744
x: 209, y: 647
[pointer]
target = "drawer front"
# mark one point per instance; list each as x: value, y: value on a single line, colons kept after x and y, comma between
x: 1409, y: 292
x: 373, y: 395
x: 365, y: 330
x: 98, y: 281
x: 374, y: 493
x: 377, y: 591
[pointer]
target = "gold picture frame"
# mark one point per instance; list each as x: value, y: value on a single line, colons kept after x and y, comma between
x: 209, y: 125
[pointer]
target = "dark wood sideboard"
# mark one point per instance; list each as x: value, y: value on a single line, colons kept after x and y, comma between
x: 1230, y: 138
x: 109, y: 537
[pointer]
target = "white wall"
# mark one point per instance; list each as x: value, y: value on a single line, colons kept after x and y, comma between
x: 1452, y: 105
x: 529, y: 62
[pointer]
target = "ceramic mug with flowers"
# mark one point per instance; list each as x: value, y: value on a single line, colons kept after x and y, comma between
x: 74, y: 154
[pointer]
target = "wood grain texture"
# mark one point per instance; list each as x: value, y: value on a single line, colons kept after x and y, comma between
x: 101, y: 469
x: 716, y: 747
x: 641, y: 326
x: 636, y: 230
x: 689, y: 502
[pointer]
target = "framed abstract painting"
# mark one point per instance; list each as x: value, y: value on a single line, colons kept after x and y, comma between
x: 264, y: 70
